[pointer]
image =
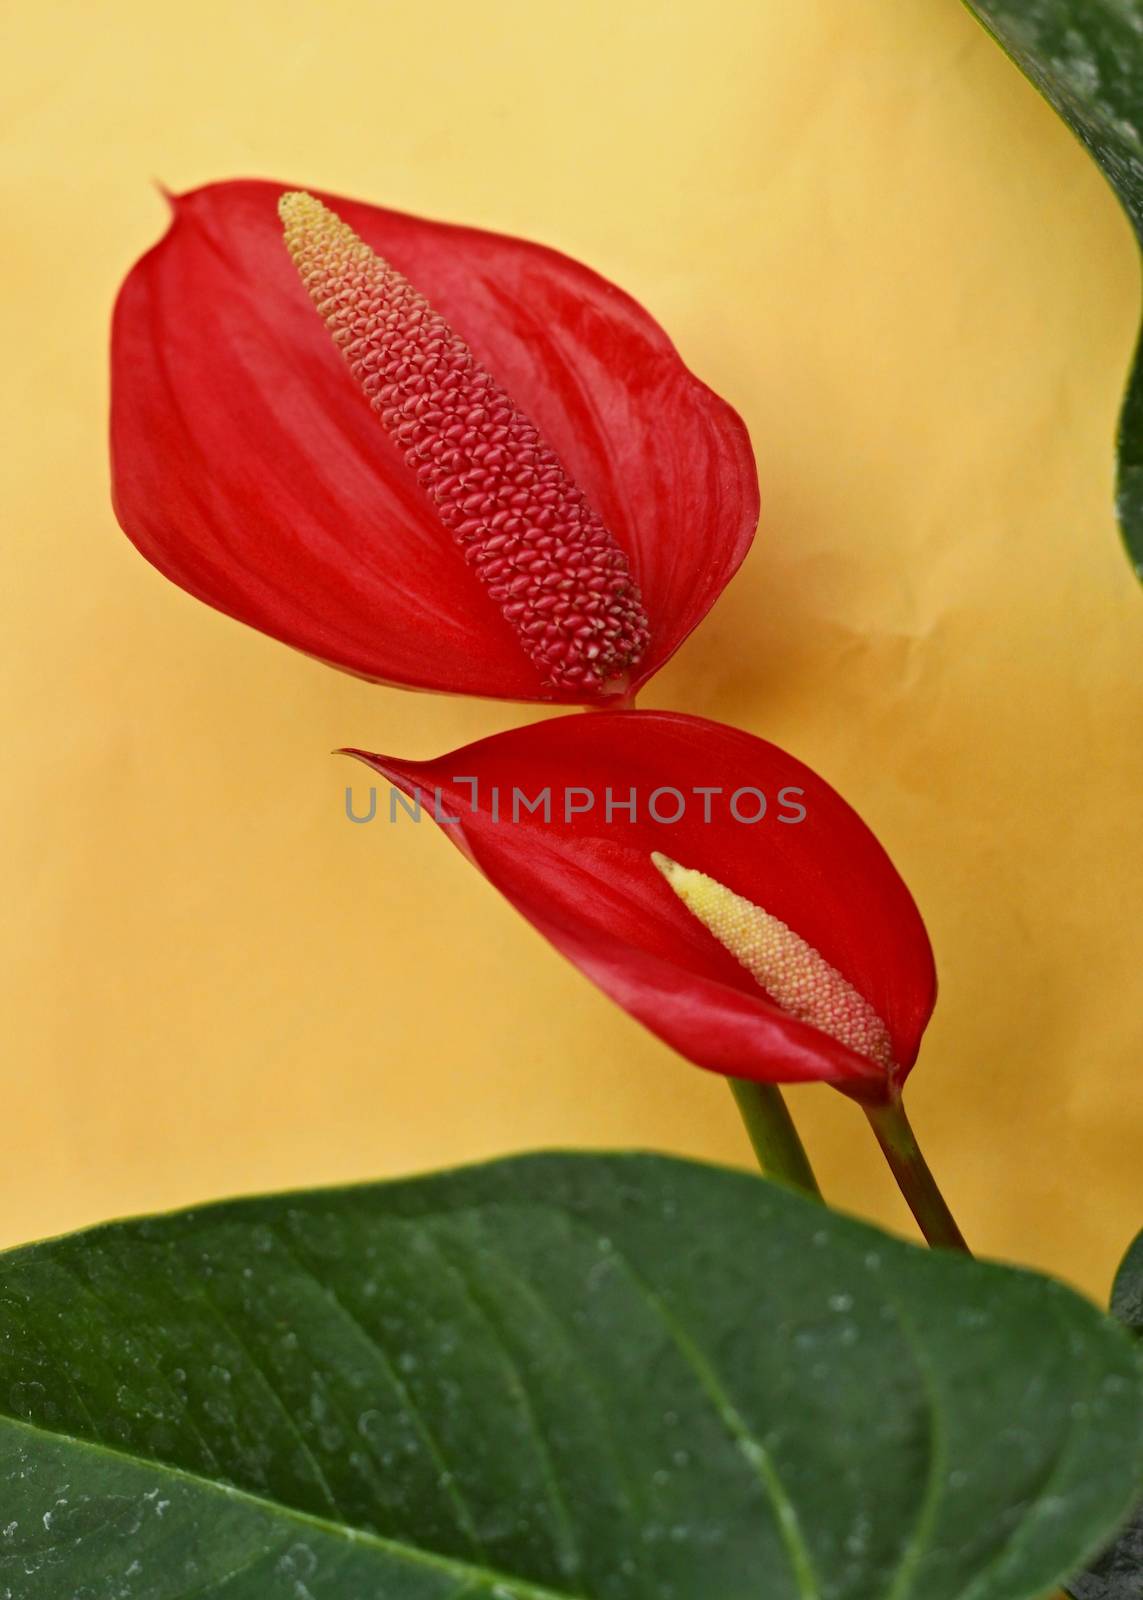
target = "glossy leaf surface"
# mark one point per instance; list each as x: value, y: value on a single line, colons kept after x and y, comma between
x: 1086, y: 58
x: 611, y: 1378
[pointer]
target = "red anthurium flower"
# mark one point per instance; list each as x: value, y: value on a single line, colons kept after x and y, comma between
x: 713, y: 885
x: 429, y: 455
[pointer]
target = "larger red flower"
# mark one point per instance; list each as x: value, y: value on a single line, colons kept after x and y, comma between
x: 429, y: 455
x: 713, y: 885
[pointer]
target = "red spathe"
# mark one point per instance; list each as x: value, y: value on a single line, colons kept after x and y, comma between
x: 248, y: 466
x: 589, y: 885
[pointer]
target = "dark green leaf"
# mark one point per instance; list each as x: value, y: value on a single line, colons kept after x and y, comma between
x: 1086, y: 58
x: 1127, y: 1295
x: 1118, y: 1574
x: 616, y: 1378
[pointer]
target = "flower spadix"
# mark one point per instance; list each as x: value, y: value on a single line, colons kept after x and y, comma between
x: 712, y: 884
x: 543, y: 554
x: 425, y: 454
x: 795, y: 975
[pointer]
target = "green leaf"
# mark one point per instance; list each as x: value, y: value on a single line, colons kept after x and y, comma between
x: 605, y: 1377
x: 1086, y: 58
x: 1118, y: 1574
x: 1127, y: 1295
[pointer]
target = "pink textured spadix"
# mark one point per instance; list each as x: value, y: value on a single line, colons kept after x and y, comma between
x: 544, y: 555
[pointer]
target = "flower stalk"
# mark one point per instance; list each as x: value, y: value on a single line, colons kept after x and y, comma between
x: 914, y: 1176
x: 780, y: 1151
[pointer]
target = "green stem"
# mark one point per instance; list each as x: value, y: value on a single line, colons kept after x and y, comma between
x: 914, y: 1179
x: 781, y: 1154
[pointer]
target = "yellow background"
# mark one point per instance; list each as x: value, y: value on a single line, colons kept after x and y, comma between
x: 862, y: 227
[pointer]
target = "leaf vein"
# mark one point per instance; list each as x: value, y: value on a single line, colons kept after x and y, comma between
x: 785, y: 1512
x: 914, y: 1547
x: 464, y: 1512
x: 411, y: 1554
x: 183, y: 1409
x: 572, y: 1549
x: 279, y: 1403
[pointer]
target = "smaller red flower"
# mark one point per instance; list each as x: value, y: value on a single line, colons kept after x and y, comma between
x: 425, y: 454
x: 711, y: 884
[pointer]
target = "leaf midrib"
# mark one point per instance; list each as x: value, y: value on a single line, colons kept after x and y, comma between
x: 412, y: 1554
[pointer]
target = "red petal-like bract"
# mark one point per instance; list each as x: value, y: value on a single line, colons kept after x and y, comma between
x: 587, y: 880
x: 249, y: 467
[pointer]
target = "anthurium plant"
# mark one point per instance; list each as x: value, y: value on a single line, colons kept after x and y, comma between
x: 443, y: 459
